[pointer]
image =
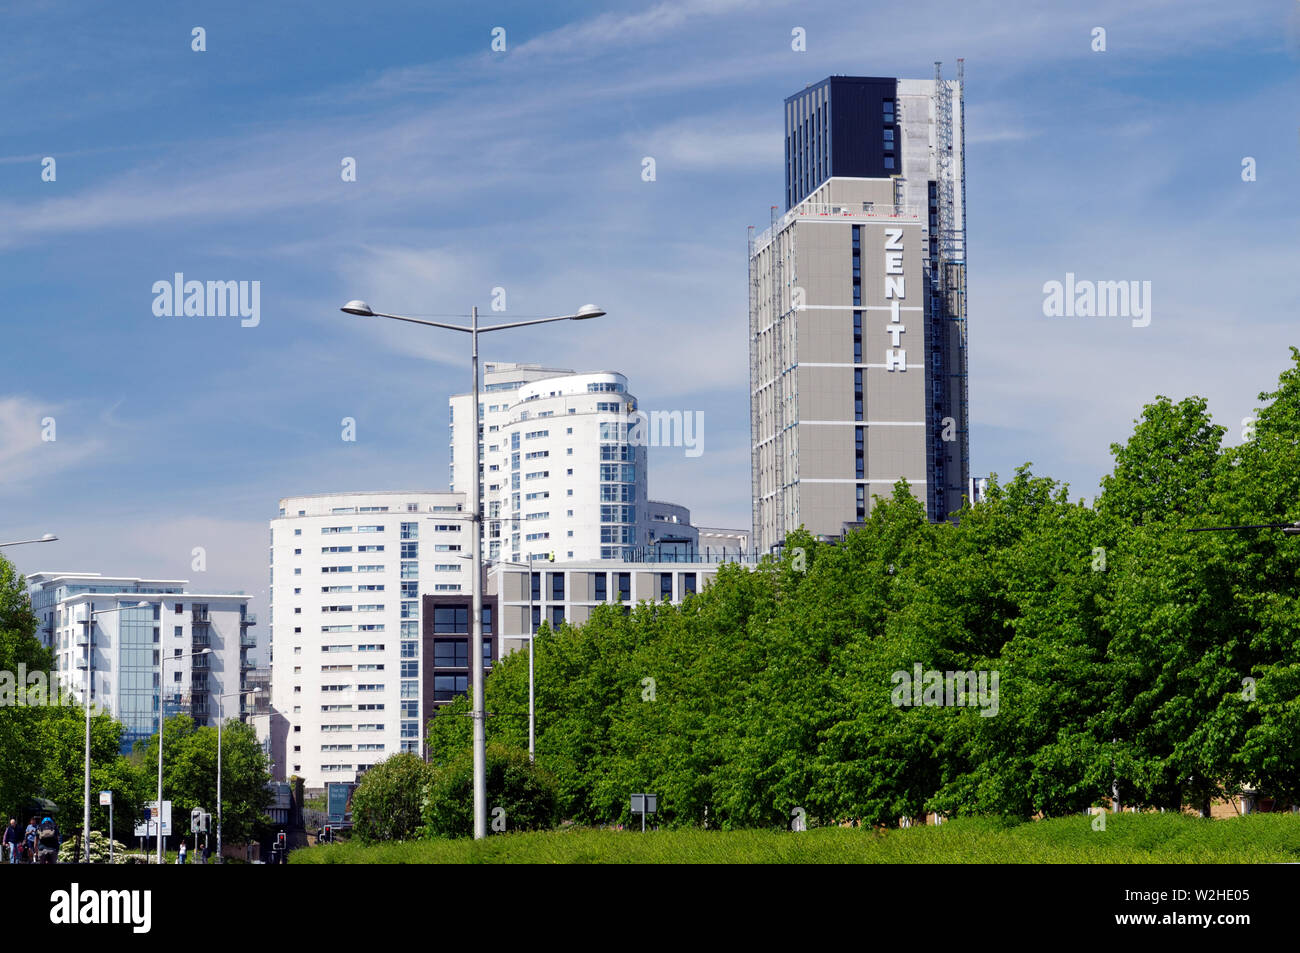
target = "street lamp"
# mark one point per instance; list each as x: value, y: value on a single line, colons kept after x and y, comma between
x: 162, y: 707
x: 587, y: 311
x: 47, y: 538
x: 221, y: 717
x: 90, y: 636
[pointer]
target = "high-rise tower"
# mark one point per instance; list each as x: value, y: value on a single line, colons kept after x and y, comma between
x: 857, y: 310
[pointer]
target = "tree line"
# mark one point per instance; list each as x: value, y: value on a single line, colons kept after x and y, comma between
x: 1131, y: 655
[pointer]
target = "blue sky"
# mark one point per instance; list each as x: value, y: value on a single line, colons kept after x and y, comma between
x: 522, y: 169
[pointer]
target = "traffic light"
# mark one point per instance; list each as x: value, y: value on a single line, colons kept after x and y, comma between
x: 329, y: 834
x: 196, y: 820
x: 280, y: 841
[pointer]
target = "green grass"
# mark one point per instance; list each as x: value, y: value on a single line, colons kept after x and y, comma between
x: 1128, y: 839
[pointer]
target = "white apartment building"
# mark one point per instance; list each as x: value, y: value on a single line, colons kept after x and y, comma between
x: 347, y: 574
x: 560, y: 477
x: 139, y: 654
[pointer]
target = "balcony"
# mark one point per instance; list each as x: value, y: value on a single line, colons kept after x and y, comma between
x: 200, y: 662
x: 249, y: 619
x: 246, y: 665
x: 199, y: 617
x: 247, y: 641
x: 199, y: 640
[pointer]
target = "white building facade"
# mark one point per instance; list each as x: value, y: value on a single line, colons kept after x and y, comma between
x: 347, y: 572
x: 563, y: 466
x: 138, y: 655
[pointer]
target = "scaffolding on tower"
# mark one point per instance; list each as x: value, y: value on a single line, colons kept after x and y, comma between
x: 778, y: 378
x: 756, y: 489
x: 950, y: 272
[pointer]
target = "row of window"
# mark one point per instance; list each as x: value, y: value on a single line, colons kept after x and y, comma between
x: 373, y: 706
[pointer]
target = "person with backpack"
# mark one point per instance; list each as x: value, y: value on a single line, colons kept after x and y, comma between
x: 13, y: 841
x: 48, y: 837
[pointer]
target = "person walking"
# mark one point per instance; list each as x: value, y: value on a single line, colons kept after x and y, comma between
x: 29, y: 842
x: 49, y: 842
x: 180, y: 858
x: 13, y: 841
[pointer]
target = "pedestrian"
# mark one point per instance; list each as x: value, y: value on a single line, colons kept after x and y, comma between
x: 13, y: 841
x: 180, y: 858
x: 29, y: 841
x: 49, y: 842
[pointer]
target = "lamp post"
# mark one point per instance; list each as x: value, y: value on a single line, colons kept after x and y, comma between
x: 90, y: 637
x: 162, y: 707
x: 587, y: 311
x: 221, y: 717
x: 47, y: 538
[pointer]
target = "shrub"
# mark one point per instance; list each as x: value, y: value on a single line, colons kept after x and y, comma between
x: 526, y: 795
x: 386, y: 804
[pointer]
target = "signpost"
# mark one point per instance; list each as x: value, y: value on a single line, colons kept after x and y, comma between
x: 150, y: 826
x: 106, y: 800
x: 644, y: 804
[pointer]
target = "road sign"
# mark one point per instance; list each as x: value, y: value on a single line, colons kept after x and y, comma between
x: 150, y: 826
x: 105, y: 798
x: 338, y: 800
x: 644, y: 804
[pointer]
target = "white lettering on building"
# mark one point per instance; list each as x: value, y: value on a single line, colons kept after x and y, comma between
x: 895, y: 289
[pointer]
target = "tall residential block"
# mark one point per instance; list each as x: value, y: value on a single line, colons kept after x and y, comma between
x: 563, y: 467
x: 348, y: 571
x: 857, y: 309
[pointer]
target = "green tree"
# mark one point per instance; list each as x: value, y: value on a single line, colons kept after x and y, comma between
x: 387, y: 804
x: 520, y: 795
x: 190, y: 775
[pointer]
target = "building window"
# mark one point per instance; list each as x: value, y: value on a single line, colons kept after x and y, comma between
x: 451, y: 653
x: 447, y: 687
x: 557, y: 587
x: 666, y: 585
x: 625, y: 586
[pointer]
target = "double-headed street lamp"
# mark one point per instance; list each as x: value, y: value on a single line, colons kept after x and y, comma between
x: 162, y: 708
x: 221, y: 717
x: 90, y: 640
x: 587, y: 311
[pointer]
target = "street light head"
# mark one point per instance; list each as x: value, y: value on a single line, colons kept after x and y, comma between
x: 206, y: 652
x: 358, y: 308
x: 48, y: 538
x: 142, y: 604
x: 587, y: 311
